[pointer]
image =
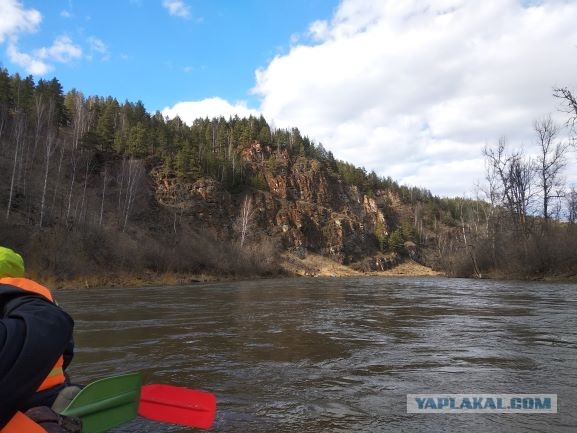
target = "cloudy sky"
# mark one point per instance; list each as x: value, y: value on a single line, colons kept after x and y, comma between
x: 412, y: 89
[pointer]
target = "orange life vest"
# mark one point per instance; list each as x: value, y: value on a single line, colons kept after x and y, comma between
x: 56, y: 375
x: 20, y: 423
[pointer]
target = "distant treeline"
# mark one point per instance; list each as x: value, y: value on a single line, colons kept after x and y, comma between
x: 73, y: 174
x: 44, y: 127
x: 527, y: 226
x: 208, y: 147
x: 72, y: 168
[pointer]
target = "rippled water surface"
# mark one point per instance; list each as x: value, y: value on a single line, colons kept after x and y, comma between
x: 338, y: 355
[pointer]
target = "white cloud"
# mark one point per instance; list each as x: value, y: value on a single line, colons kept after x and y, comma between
x: 16, y: 19
x: 31, y: 64
x: 65, y: 14
x: 177, y: 8
x: 319, y: 30
x: 62, y: 50
x: 98, y: 46
x: 415, y: 89
x: 210, y: 107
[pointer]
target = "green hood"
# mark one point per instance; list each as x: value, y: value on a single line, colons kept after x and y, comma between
x: 11, y: 263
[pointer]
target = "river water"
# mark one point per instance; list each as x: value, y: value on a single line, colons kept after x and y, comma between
x: 338, y: 355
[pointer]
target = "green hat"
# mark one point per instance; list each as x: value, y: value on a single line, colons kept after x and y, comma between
x: 11, y: 263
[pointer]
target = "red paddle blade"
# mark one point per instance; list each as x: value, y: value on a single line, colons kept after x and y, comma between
x: 177, y: 405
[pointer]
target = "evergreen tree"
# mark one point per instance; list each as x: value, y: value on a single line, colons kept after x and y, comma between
x: 264, y: 135
x: 408, y: 231
x: 396, y: 241
x: 138, y: 141
x: 62, y: 114
x: 6, y: 102
x: 6, y: 94
x: 23, y: 93
x: 106, y: 124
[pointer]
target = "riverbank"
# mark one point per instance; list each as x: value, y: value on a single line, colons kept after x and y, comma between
x: 146, y: 279
x: 312, y: 265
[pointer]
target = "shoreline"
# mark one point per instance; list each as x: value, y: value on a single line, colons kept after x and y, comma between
x: 312, y: 266
x: 407, y: 268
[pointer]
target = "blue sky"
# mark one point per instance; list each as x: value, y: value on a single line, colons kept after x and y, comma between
x: 412, y: 89
x: 137, y: 49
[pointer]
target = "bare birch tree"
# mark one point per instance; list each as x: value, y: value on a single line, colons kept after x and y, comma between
x: 19, y: 128
x: 57, y: 182
x: 511, y: 176
x: 83, y: 204
x: 469, y: 247
x: 550, y: 162
x: 571, y: 198
x: 103, y: 195
x: 73, y: 163
x: 121, y: 183
x: 520, y: 182
x: 80, y: 124
x: 245, y: 220
x: 134, y: 175
x: 41, y: 109
x: 50, y: 144
x: 80, y: 118
x: 569, y: 105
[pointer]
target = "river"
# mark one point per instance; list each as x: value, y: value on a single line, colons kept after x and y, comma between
x: 338, y: 355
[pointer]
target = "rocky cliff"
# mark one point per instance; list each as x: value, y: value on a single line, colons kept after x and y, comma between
x: 299, y: 201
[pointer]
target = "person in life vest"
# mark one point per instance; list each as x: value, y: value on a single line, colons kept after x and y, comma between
x: 35, y: 334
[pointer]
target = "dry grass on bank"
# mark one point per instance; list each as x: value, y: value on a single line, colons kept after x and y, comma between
x: 130, y: 280
x: 314, y: 265
x: 410, y: 268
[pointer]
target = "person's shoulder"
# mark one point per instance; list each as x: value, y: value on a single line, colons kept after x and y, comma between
x: 13, y: 285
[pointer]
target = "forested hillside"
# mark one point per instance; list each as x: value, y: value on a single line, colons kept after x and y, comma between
x: 91, y: 186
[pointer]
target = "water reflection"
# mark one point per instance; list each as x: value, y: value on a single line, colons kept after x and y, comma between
x: 338, y: 355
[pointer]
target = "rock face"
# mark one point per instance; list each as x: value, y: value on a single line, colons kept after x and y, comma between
x: 300, y: 202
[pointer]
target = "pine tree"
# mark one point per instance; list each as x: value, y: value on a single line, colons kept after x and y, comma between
x: 106, y: 124
x: 138, y: 141
x: 396, y: 241
x: 23, y: 93
x: 62, y: 114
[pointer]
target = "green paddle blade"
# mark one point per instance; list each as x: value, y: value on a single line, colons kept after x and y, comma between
x: 106, y: 403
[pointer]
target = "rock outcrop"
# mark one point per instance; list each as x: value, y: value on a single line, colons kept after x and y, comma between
x: 300, y: 202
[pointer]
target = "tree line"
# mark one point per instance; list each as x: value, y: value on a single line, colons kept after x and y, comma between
x: 77, y: 164
x: 73, y: 169
x: 525, y: 222
x: 60, y: 131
